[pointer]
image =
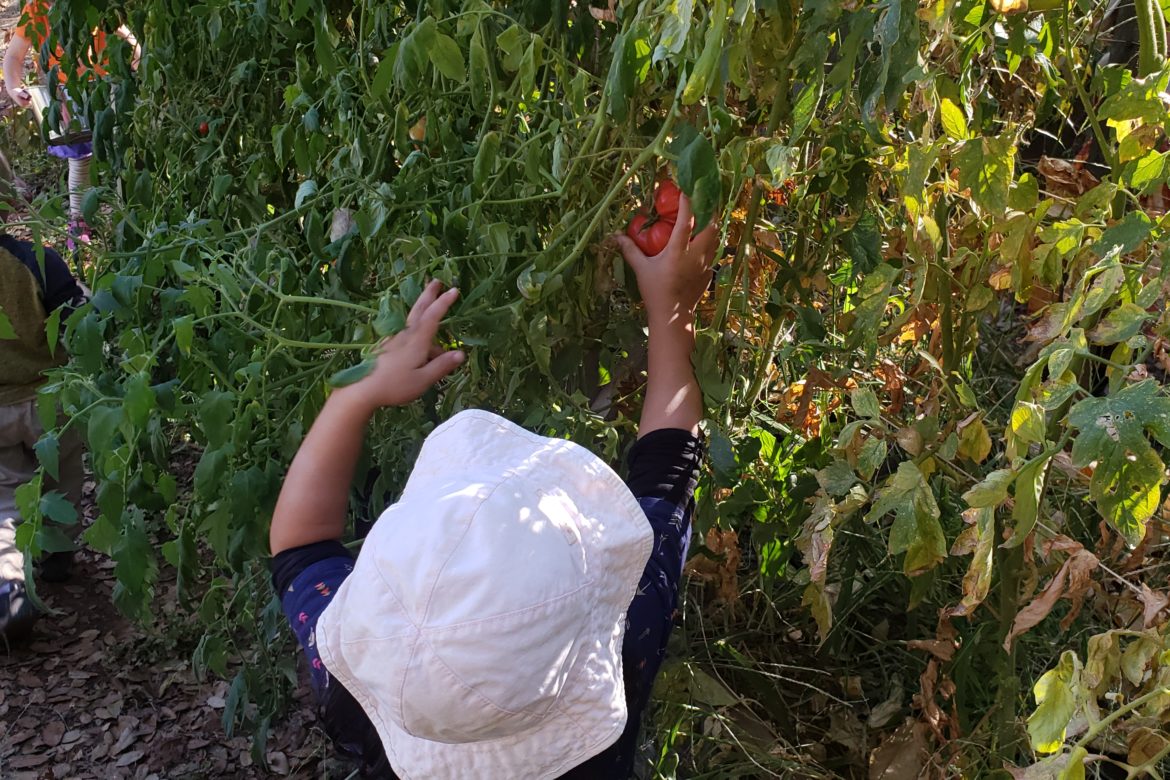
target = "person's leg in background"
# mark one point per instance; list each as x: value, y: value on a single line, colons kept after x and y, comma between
x: 58, y: 566
x: 17, y: 466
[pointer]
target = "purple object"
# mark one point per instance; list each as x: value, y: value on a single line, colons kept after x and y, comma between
x: 78, y: 151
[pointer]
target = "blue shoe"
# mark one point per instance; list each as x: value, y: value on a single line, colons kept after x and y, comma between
x: 17, y: 612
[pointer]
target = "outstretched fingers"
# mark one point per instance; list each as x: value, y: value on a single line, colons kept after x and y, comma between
x: 431, y: 317
x: 681, y: 235
x: 704, y: 245
x: 429, y: 294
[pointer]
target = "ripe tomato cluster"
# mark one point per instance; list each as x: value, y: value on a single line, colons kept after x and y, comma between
x: 652, y: 238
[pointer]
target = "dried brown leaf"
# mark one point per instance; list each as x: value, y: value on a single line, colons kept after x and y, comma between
x: 1153, y: 604
x: 902, y: 755
x: 1144, y: 743
x: 940, y: 648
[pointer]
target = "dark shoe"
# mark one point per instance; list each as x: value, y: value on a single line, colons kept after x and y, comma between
x: 57, y: 567
x: 17, y: 612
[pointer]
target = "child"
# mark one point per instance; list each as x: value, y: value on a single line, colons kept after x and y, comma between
x: 30, y: 33
x: 32, y: 285
x: 507, y: 617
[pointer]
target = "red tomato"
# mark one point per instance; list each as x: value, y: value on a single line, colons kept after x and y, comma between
x: 653, y: 239
x: 203, y: 128
x: 666, y: 199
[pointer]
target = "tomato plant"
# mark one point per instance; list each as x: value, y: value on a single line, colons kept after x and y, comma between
x: 933, y: 359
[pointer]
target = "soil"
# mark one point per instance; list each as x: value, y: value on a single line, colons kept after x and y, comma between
x: 94, y: 695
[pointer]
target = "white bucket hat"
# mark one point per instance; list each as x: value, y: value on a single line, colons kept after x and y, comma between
x: 481, y: 629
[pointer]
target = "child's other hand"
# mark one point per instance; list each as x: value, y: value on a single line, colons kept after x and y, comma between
x: 410, y: 361
x: 673, y: 281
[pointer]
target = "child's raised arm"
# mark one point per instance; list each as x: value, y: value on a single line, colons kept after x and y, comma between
x: 672, y: 283
x: 311, y: 506
x: 14, y: 69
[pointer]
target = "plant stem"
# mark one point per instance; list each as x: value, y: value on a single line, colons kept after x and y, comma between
x: 1006, y: 738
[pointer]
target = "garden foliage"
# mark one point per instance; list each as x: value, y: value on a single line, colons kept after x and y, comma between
x: 933, y: 357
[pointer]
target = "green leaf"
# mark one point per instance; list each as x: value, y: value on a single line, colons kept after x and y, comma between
x: 216, y: 411
x: 895, y: 37
x: 1074, y: 768
x: 1136, y: 99
x: 675, y: 29
x: 53, y: 330
x: 1025, y: 194
x: 103, y: 424
x: 987, y: 167
x: 1128, y: 490
x: 383, y: 76
x: 953, y: 121
x: 447, y: 58
x: 90, y: 204
x: 220, y: 185
x: 1029, y: 487
x: 836, y: 478
x: 865, y: 403
x: 870, y: 306
x: 1120, y: 421
x: 1126, y: 236
x: 6, y: 329
x: 916, y: 530
x: 307, y: 190
x: 805, y: 109
x: 56, y: 507
x: 706, y: 68
x: 698, y: 173
x: 631, y: 57
x: 184, y: 334
x: 48, y: 449
x: 353, y: 374
x: 1120, y: 324
x: 139, y: 400
x: 863, y: 242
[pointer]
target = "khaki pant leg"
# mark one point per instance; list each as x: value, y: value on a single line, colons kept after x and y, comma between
x: 17, y: 466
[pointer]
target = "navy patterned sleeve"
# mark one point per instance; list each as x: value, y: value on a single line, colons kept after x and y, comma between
x: 664, y: 467
x: 306, y: 579
x: 663, y: 471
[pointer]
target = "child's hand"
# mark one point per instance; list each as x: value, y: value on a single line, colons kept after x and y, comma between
x: 410, y: 361
x: 20, y: 96
x: 673, y: 281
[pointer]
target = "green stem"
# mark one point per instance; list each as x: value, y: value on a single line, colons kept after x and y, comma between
x: 1098, y: 132
x: 602, y: 208
x: 723, y: 302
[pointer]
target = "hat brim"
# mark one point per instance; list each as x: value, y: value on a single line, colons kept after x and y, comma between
x: 591, y: 712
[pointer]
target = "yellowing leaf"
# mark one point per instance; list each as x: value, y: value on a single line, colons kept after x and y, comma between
x: 975, y: 442
x: 979, y: 537
x: 953, y: 122
x: 991, y: 491
x: 1009, y: 6
x: 1075, y: 768
x: 1056, y: 705
x: 1027, y: 422
x: 916, y: 530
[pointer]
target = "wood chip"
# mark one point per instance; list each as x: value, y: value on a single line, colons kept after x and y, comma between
x: 28, y: 762
x: 53, y: 733
x: 130, y: 758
